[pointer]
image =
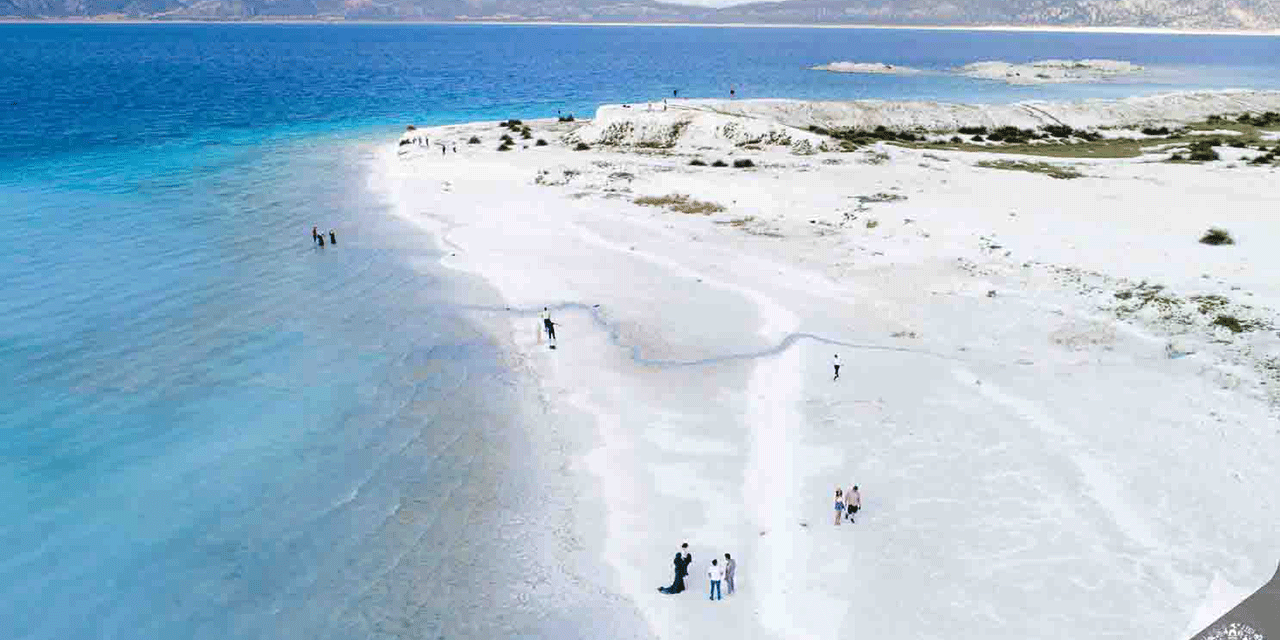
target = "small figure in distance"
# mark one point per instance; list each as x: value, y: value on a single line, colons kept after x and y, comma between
x: 835, y: 361
x: 333, y: 237
x: 839, y: 505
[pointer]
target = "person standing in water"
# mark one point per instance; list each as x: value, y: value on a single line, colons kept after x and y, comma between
x: 315, y: 235
x: 716, y: 574
x: 730, y: 566
x: 835, y: 361
x: 320, y: 239
x: 839, y: 505
x: 333, y: 237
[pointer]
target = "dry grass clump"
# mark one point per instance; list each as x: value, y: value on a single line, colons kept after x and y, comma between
x: 682, y: 203
x: 582, y: 146
x: 1052, y: 170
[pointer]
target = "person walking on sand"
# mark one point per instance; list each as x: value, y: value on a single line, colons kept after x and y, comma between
x: 853, y: 501
x: 548, y: 324
x: 716, y: 574
x: 730, y: 566
x: 835, y: 361
x: 839, y: 505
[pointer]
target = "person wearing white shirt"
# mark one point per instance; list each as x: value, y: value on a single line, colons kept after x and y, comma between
x: 716, y: 573
x: 835, y: 361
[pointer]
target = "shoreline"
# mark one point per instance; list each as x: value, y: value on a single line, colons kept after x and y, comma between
x: 972, y: 321
x: 725, y: 25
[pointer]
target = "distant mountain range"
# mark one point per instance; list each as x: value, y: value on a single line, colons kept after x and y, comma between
x: 1183, y: 14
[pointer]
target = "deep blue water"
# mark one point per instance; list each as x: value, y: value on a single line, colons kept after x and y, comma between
x: 208, y: 422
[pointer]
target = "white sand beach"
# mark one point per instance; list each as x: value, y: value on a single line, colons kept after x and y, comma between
x: 1052, y: 437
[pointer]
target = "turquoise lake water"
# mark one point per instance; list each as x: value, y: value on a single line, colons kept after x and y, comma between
x: 210, y: 422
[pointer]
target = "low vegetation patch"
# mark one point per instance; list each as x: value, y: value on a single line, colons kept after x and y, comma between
x: 1230, y: 322
x: 1052, y: 170
x: 473, y: 140
x: 540, y: 143
x: 880, y: 197
x: 581, y: 146
x: 1216, y: 236
x: 738, y: 222
x: 697, y: 163
x: 504, y: 147
x: 719, y: 163
x: 682, y: 203
x: 568, y: 118
x: 743, y: 163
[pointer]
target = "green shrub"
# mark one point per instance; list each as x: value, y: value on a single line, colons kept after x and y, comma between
x: 504, y: 147
x: 1217, y: 236
x: 581, y: 146
x: 1230, y: 322
x: 1059, y: 130
x: 473, y: 140
x: 719, y: 163
x: 697, y: 163
x: 1203, y: 155
x: 743, y: 163
x: 540, y: 143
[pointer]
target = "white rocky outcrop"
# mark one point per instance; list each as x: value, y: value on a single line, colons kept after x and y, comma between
x: 1050, y: 71
x: 866, y: 67
x: 720, y: 123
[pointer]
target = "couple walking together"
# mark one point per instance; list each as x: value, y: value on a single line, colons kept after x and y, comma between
x: 847, y: 504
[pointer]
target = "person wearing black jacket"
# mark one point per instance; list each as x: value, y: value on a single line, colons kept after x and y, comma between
x: 681, y: 563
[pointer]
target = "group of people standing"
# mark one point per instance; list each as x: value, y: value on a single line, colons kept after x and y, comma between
x: 318, y: 237
x: 716, y: 573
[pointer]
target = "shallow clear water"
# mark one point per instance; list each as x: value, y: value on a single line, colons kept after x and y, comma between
x: 216, y: 429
